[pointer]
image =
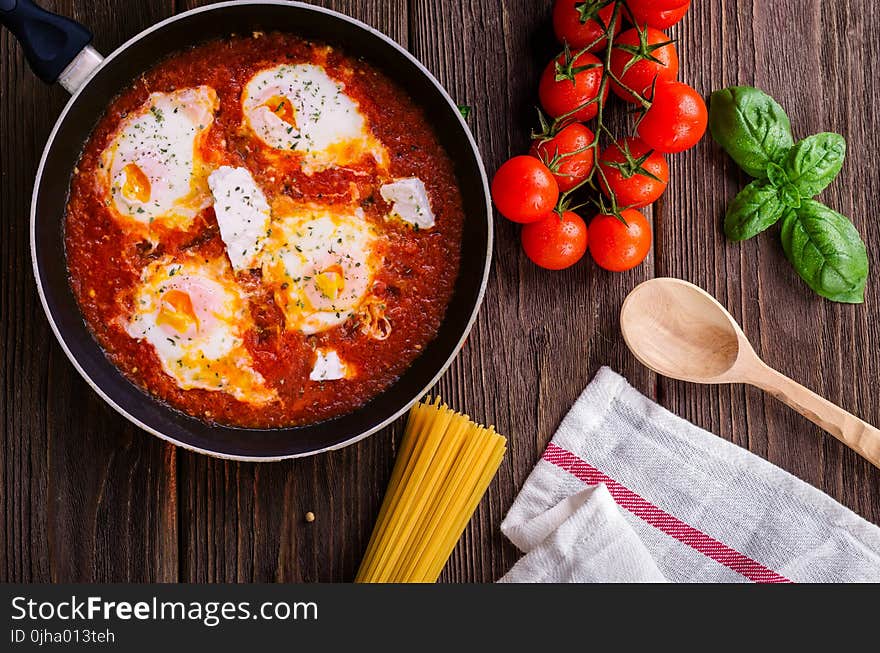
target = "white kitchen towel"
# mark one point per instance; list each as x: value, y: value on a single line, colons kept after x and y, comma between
x: 628, y: 492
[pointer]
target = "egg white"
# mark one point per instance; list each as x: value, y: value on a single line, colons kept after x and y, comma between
x: 195, y: 316
x: 301, y: 109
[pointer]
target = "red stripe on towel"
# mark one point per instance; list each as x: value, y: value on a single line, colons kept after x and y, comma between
x: 663, y: 521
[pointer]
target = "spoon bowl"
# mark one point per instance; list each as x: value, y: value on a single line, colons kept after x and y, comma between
x: 679, y: 330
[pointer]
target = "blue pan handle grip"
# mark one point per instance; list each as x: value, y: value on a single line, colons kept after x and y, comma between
x: 50, y: 42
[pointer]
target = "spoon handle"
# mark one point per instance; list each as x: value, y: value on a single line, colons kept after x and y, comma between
x: 857, y: 434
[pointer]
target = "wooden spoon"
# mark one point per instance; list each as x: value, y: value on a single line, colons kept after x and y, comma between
x: 680, y: 331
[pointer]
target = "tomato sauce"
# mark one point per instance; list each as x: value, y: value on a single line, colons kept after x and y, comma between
x: 105, y: 260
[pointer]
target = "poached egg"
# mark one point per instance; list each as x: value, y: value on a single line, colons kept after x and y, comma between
x: 194, y: 315
x: 320, y: 262
x: 153, y: 172
x: 299, y: 108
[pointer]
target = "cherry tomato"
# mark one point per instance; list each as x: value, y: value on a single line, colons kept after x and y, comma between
x: 571, y: 95
x: 640, y: 56
x: 676, y: 120
x: 625, y: 164
x: 616, y: 246
x: 568, y: 155
x: 654, y: 5
x: 575, y: 22
x: 555, y: 242
x: 524, y: 189
x: 659, y: 18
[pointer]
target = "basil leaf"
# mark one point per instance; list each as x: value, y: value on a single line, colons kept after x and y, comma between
x: 827, y: 252
x: 751, y: 126
x: 756, y: 207
x: 814, y: 162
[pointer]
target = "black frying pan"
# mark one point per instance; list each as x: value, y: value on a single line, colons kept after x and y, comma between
x: 58, y: 50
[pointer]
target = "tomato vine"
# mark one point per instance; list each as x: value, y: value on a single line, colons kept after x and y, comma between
x: 549, y: 128
x: 570, y: 169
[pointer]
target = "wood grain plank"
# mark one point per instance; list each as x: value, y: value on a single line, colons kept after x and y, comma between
x: 246, y: 522
x: 85, y: 496
x: 824, y: 83
x: 24, y: 545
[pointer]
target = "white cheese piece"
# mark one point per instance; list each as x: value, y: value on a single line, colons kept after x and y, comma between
x: 242, y: 213
x: 328, y: 366
x: 410, y: 201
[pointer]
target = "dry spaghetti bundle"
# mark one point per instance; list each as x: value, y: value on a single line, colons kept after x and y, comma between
x: 445, y: 464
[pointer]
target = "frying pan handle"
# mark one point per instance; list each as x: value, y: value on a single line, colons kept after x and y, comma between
x: 50, y: 42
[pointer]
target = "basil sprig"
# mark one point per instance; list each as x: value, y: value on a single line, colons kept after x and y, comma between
x: 822, y: 245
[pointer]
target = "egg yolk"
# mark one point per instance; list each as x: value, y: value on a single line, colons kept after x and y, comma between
x: 177, y: 311
x: 331, y: 281
x: 281, y: 107
x: 137, y: 184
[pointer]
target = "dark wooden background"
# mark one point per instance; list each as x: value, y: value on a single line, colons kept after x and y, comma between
x: 87, y: 497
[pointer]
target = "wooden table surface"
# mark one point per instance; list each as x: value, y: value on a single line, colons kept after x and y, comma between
x: 87, y: 497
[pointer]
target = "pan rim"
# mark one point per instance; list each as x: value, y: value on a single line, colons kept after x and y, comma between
x: 409, y: 402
